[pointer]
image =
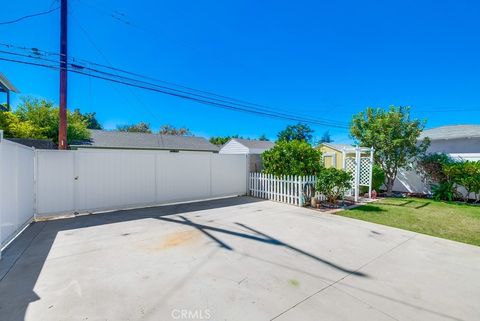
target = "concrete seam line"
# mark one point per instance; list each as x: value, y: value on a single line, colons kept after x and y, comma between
x: 344, y: 277
x: 365, y: 302
x: 21, y: 254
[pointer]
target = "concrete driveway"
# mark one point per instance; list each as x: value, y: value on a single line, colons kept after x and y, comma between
x: 234, y: 259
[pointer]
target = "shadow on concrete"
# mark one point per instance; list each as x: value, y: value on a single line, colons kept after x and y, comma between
x: 24, y: 259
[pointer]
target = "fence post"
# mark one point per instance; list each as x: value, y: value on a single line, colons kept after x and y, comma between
x: 300, y: 190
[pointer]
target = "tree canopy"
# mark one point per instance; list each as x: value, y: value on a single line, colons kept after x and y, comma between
x: 38, y: 118
x: 170, y: 130
x: 301, y: 132
x: 326, y: 138
x: 292, y: 158
x: 90, y: 119
x: 393, y: 135
x: 140, y: 127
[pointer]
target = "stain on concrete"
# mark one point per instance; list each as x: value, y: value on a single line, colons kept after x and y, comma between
x: 175, y: 239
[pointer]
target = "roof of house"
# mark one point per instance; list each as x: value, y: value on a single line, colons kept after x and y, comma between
x: 452, y: 132
x: 5, y: 84
x: 338, y: 147
x: 127, y: 140
x: 255, y: 144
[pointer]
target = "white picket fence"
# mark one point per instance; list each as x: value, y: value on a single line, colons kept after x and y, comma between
x: 288, y: 189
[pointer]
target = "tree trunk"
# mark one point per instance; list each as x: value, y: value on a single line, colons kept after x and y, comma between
x: 390, y: 182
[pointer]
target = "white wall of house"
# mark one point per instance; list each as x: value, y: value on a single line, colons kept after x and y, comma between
x: 466, y: 149
x: 455, y: 146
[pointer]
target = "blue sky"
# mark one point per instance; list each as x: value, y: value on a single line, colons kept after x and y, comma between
x: 326, y: 59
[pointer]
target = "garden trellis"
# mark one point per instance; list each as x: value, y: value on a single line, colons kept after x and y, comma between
x: 358, y: 161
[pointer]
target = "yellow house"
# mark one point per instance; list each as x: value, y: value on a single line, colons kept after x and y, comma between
x: 332, y: 154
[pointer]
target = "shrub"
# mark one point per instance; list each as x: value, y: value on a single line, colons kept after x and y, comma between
x: 333, y: 183
x: 431, y: 167
x: 292, y: 158
x: 444, y: 191
x: 378, y: 177
x: 466, y: 174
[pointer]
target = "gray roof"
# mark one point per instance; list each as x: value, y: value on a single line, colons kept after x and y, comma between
x: 258, y: 144
x: 126, y: 140
x: 5, y: 84
x: 452, y: 132
x: 338, y: 147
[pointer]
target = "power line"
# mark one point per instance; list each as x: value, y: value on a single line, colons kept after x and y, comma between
x: 29, y: 16
x: 184, y: 96
x: 202, y: 92
x: 89, y: 38
x: 201, y: 96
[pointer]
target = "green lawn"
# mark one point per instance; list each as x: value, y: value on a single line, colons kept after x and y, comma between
x: 452, y: 221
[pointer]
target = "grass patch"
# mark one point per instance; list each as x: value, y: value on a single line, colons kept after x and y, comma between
x: 458, y: 222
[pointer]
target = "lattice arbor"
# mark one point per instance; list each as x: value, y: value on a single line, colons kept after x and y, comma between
x: 358, y: 161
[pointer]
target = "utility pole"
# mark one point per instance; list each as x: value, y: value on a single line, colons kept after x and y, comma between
x: 62, y: 111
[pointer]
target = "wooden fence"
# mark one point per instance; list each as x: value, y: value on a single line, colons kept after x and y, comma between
x: 286, y: 189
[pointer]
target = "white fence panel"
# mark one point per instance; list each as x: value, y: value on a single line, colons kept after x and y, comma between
x: 183, y: 176
x: 113, y: 179
x: 16, y: 188
x: 229, y: 174
x: 91, y: 180
x: 55, y: 181
x: 286, y: 189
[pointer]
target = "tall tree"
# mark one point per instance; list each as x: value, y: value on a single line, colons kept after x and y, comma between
x: 393, y: 135
x: 301, y: 132
x: 140, y: 127
x: 263, y: 138
x: 326, y: 138
x: 90, y: 119
x: 170, y: 130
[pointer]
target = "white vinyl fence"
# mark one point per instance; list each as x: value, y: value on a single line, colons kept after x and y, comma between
x: 16, y: 188
x: 92, y: 180
x: 286, y: 189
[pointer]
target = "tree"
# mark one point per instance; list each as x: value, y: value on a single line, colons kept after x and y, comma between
x: 263, y: 138
x: 38, y: 118
x: 326, y: 138
x: 13, y: 127
x: 140, y: 127
x: 170, y: 130
x: 301, y: 132
x: 292, y: 158
x: 222, y: 140
x: 393, y: 135
x: 90, y: 119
